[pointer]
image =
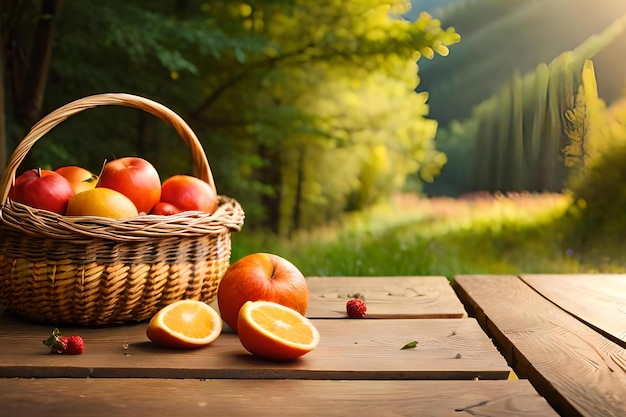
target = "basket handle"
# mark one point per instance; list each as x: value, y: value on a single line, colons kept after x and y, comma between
x: 121, y: 99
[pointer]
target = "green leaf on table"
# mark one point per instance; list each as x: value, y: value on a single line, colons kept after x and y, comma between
x: 410, y: 345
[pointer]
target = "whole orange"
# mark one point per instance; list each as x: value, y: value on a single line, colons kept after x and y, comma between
x: 101, y: 202
x: 80, y: 179
x: 261, y: 277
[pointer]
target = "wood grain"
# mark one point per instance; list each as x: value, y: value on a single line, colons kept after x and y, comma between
x: 252, y: 398
x: 386, y: 297
x: 597, y: 299
x: 579, y: 371
x: 349, y: 349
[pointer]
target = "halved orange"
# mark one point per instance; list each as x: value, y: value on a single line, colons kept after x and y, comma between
x: 276, y: 332
x: 185, y: 324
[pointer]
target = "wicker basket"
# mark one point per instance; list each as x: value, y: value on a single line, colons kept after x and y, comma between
x: 98, y: 271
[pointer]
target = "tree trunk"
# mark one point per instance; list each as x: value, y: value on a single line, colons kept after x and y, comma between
x: 297, y: 206
x: 9, y: 15
x: 36, y: 76
x: 3, y: 121
x: 270, y: 175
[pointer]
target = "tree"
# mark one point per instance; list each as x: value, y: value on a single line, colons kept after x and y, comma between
x: 299, y: 105
x: 27, y: 50
x: 335, y: 88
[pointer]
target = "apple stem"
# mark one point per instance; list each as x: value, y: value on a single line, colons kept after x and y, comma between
x: 39, y: 172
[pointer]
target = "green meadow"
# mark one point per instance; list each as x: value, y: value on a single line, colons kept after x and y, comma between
x: 502, y: 234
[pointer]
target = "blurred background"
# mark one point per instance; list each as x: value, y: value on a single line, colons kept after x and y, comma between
x: 361, y: 138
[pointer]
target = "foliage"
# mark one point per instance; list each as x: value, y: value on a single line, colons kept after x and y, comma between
x: 598, y: 186
x: 330, y: 107
x: 305, y: 109
x: 582, y: 110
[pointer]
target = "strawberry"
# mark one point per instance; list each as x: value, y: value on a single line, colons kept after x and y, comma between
x: 75, y: 345
x: 69, y: 345
x: 356, y: 308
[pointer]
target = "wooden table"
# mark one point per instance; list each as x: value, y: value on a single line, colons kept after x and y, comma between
x: 359, y: 368
x: 565, y: 333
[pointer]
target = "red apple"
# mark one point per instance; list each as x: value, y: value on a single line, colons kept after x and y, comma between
x: 261, y: 277
x: 164, y: 209
x: 134, y: 177
x: 185, y: 193
x: 42, y: 189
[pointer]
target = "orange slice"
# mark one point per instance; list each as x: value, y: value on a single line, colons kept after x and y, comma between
x: 273, y: 331
x: 185, y: 324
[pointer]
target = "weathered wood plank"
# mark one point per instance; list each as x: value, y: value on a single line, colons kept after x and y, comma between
x: 349, y: 349
x: 386, y: 297
x: 575, y: 368
x: 597, y: 299
x: 250, y: 398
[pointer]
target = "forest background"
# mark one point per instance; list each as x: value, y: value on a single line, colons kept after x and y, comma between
x: 361, y: 138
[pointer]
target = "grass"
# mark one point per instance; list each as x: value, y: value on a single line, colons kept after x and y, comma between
x: 520, y: 233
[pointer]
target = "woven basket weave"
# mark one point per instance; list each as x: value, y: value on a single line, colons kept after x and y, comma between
x: 97, y: 271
